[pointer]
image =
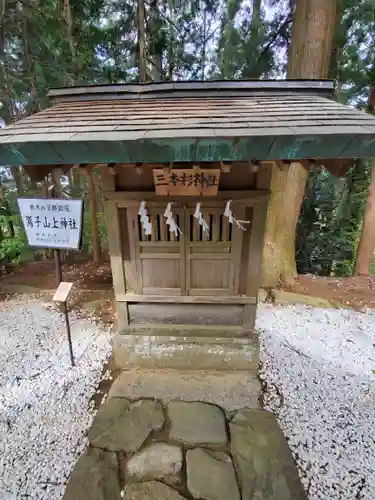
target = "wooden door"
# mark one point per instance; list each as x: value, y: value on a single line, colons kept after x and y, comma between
x: 191, y: 263
x: 213, y: 260
x: 160, y: 256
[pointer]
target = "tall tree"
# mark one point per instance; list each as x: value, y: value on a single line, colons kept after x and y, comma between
x: 156, y: 41
x: 366, y: 246
x: 141, y: 40
x: 230, y: 40
x: 91, y: 192
x: 309, y: 57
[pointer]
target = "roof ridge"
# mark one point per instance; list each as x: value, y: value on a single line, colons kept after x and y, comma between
x: 189, y: 88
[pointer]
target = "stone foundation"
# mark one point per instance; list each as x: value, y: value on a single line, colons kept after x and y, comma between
x: 186, y: 353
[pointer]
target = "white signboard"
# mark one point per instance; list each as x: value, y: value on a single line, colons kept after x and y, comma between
x: 52, y: 223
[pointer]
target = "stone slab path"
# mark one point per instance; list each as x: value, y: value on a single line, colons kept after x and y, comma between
x: 146, y: 450
x: 230, y: 390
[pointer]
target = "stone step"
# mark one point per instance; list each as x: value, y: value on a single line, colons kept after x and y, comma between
x: 229, y: 332
x: 185, y: 353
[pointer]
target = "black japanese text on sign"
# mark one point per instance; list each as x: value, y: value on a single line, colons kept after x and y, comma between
x: 52, y: 223
x: 186, y: 181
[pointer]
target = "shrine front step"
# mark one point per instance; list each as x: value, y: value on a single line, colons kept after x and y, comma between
x: 182, y: 331
x: 153, y: 351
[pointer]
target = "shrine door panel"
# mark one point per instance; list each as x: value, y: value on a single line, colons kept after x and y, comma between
x: 212, y: 260
x: 160, y: 256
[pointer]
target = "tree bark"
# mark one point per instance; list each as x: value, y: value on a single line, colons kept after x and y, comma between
x: 16, y: 174
x: 338, y: 42
x: 312, y: 35
x: 309, y: 57
x: 56, y: 174
x: 69, y: 27
x: 154, y: 42
x: 141, y: 40
x: 71, y: 41
x: 272, y: 239
x: 255, y: 27
x: 366, y: 246
x: 30, y: 65
x: 204, y: 43
x: 76, y: 182
x: 94, y: 223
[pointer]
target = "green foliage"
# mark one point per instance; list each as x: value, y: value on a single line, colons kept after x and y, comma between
x: 40, y: 49
x: 330, y: 221
x: 13, y: 248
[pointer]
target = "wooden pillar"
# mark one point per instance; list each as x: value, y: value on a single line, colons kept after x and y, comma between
x: 114, y: 248
x: 254, y: 266
x: 258, y: 227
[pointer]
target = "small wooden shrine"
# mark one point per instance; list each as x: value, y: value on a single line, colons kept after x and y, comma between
x: 186, y: 169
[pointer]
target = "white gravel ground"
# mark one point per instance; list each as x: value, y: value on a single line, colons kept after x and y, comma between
x: 317, y: 368
x: 44, y: 403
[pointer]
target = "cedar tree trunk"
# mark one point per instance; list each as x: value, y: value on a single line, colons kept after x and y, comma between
x: 366, y: 246
x: 94, y: 222
x: 309, y: 57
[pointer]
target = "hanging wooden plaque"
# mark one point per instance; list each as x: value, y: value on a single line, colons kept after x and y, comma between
x: 186, y: 182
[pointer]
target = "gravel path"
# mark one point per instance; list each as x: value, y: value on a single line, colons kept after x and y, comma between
x: 44, y: 403
x: 317, y: 368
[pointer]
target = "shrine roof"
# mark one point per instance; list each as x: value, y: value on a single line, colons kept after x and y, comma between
x: 190, y: 121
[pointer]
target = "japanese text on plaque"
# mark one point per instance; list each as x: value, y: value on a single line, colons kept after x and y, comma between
x: 186, y: 182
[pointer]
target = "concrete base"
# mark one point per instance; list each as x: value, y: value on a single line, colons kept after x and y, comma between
x: 221, y: 370
x: 186, y: 353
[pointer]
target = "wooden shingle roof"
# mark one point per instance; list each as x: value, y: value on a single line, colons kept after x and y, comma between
x: 190, y: 121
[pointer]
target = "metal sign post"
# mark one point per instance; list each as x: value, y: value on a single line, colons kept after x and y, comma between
x: 61, y: 296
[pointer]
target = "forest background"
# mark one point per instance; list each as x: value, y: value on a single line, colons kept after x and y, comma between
x: 328, y: 223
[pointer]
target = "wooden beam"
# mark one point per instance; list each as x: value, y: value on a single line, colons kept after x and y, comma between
x: 264, y: 175
x: 117, y: 263
x: 114, y: 244
x: 131, y: 196
x: 186, y: 299
x: 108, y: 183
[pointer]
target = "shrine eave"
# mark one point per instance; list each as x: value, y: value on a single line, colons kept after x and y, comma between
x: 190, y: 122
x: 174, y: 150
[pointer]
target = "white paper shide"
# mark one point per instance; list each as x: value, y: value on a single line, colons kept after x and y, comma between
x: 198, y: 215
x: 145, y: 219
x: 53, y: 223
x: 171, y: 223
x: 228, y: 213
